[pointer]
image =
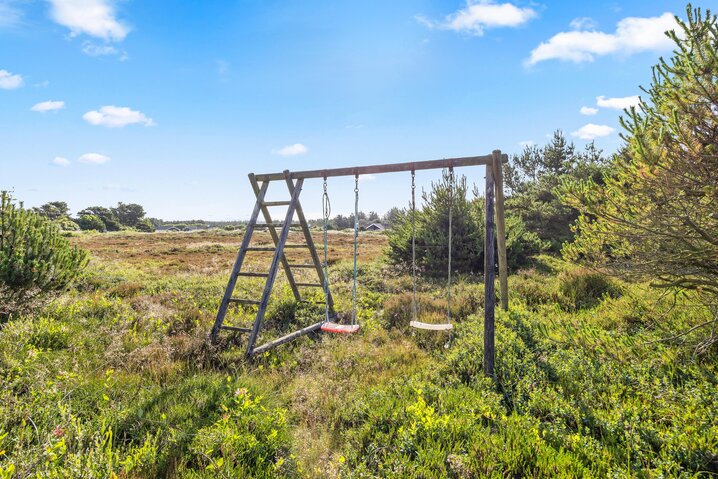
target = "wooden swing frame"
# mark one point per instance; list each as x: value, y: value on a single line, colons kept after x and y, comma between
x: 279, y: 232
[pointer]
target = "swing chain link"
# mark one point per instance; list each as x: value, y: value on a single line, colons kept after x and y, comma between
x: 356, y: 235
x: 326, y: 212
x: 451, y: 209
x: 413, y: 243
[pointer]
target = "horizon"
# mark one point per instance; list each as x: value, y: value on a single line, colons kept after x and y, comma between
x: 106, y: 104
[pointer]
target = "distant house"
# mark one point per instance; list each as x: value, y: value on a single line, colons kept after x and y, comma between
x: 375, y: 227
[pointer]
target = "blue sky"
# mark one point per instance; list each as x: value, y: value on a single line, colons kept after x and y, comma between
x: 171, y: 104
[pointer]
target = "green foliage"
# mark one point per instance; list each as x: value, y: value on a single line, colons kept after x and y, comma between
x: 91, y: 223
x: 582, y: 288
x: 35, y: 260
x: 431, y: 230
x: 247, y: 441
x: 532, y: 177
x: 654, y: 218
x: 66, y: 224
x: 129, y: 214
x: 116, y: 380
x: 53, y: 210
x: 106, y: 215
x: 144, y: 225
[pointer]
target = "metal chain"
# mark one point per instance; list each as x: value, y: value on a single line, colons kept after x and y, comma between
x: 326, y: 212
x: 413, y: 242
x: 356, y: 235
x: 451, y: 209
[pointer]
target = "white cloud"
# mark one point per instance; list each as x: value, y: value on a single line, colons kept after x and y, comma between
x: 632, y: 35
x: 60, y: 161
x: 291, y: 150
x: 9, y: 15
x: 592, y: 131
x: 479, y: 15
x: 618, y: 103
x: 94, y: 158
x: 49, y: 105
x: 526, y: 143
x: 96, y: 18
x: 94, y: 50
x: 583, y: 23
x: 9, y: 81
x: 116, y: 117
x: 588, y: 111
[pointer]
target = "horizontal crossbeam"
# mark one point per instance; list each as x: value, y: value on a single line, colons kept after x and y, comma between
x: 388, y: 168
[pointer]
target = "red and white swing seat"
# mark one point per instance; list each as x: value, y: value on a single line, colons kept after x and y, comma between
x: 331, y: 327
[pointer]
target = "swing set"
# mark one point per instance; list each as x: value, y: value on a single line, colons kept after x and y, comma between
x: 330, y: 323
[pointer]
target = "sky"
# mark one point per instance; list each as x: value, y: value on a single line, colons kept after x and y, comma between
x: 171, y: 104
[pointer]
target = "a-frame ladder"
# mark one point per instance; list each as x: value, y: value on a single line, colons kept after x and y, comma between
x: 280, y: 244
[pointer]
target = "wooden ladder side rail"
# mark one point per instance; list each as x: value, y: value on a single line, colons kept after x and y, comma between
x: 287, y: 338
x: 312, y: 249
x: 501, y: 230
x: 222, y: 311
x: 275, y: 238
x: 274, y: 267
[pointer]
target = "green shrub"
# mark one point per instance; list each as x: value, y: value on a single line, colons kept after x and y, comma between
x: 248, y: 440
x: 583, y: 288
x: 398, y: 309
x: 533, y: 288
x: 49, y: 334
x: 66, y: 224
x: 145, y: 226
x: 35, y: 260
x: 467, y: 256
x: 91, y: 223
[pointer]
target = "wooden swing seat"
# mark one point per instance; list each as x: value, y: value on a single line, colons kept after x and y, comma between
x: 330, y: 327
x: 432, y: 326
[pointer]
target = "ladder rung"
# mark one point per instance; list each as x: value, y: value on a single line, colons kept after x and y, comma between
x: 243, y: 301
x: 261, y: 248
x: 297, y: 265
x: 312, y: 302
x: 302, y: 245
x: 253, y: 275
x: 276, y: 203
x: 234, y: 328
x: 310, y: 285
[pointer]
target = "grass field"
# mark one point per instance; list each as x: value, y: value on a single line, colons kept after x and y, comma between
x: 116, y: 379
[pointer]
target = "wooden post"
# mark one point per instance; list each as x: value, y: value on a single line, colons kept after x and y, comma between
x: 501, y: 230
x: 489, y: 265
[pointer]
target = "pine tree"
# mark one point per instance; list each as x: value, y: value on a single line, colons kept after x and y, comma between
x: 35, y: 260
x: 656, y: 215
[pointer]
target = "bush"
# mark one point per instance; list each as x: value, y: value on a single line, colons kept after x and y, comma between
x: 533, y: 288
x: 66, y: 224
x: 35, y: 260
x: 144, y: 225
x: 583, y: 288
x: 398, y: 309
x: 91, y: 223
x: 248, y: 437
